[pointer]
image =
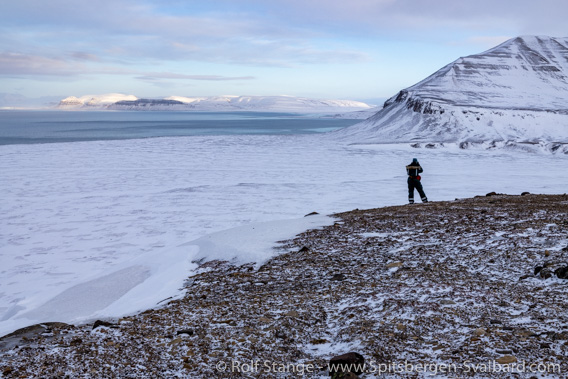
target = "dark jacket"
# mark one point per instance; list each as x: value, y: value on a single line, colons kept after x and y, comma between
x: 414, y: 169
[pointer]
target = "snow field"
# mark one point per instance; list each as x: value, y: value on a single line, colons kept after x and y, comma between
x: 93, y: 229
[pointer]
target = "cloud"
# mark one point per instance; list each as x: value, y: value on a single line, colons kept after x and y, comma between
x: 16, y: 64
x: 416, y: 17
x: 133, y: 31
x: 150, y: 39
x: 82, y: 56
x: 168, y: 75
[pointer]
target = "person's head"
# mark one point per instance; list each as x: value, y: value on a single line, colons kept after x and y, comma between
x: 414, y: 160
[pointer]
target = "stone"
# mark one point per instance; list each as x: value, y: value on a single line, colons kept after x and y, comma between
x: 76, y: 341
x: 447, y: 302
x: 338, y: 277
x: 394, y: 264
x: 562, y: 272
x: 319, y: 341
x: 189, y: 332
x: 480, y: 332
x: 312, y: 214
x: 346, y: 363
x: 292, y: 314
x: 491, y: 194
x: 304, y: 249
x: 525, y: 193
x: 505, y: 360
x: 545, y: 273
x: 103, y: 323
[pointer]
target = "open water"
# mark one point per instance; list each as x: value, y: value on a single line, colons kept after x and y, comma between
x: 30, y: 127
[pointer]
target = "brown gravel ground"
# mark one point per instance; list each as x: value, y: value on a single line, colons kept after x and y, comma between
x: 450, y: 285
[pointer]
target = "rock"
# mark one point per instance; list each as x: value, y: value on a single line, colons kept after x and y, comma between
x: 103, y: 323
x: 525, y: 193
x: 189, y: 332
x: 562, y: 272
x: 346, y: 363
x: 312, y: 214
x: 545, y: 273
x: 480, y: 332
x: 495, y: 321
x: 547, y: 253
x: 292, y: 314
x: 319, y: 341
x: 76, y: 341
x: 447, y: 302
x: 338, y: 277
x: 537, y: 269
x: 394, y: 264
x: 563, y: 336
x: 304, y: 249
x: 491, y: 194
x: 505, y: 360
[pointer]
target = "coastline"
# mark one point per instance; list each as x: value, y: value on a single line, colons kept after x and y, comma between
x: 448, y: 282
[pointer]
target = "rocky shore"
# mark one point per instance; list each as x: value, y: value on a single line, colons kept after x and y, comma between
x: 471, y: 287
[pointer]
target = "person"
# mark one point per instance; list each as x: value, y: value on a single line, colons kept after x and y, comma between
x: 414, y: 170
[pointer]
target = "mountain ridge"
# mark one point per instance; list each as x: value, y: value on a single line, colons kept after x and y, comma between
x: 516, y: 92
x: 210, y: 103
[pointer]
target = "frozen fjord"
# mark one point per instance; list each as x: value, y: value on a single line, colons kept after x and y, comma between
x: 79, y: 219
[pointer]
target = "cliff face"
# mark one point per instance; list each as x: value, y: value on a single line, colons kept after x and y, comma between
x: 516, y: 92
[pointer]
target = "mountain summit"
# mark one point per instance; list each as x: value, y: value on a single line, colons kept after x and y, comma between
x: 516, y: 92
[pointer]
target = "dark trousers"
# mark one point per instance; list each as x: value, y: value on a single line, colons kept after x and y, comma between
x: 412, y: 184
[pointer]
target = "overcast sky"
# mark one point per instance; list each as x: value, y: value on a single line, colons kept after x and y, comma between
x: 340, y: 49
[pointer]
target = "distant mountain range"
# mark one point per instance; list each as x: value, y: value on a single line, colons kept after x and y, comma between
x: 212, y: 103
x: 515, y: 94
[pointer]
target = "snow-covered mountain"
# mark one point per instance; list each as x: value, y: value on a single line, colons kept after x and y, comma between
x: 212, y: 103
x: 515, y: 93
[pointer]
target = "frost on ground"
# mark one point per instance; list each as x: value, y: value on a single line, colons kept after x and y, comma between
x: 472, y: 284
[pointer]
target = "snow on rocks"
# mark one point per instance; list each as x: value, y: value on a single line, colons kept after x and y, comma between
x: 512, y: 96
x: 463, y: 293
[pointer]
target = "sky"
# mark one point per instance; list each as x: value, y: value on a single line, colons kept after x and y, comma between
x: 363, y: 50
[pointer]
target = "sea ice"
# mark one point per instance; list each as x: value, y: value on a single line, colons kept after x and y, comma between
x: 100, y: 229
